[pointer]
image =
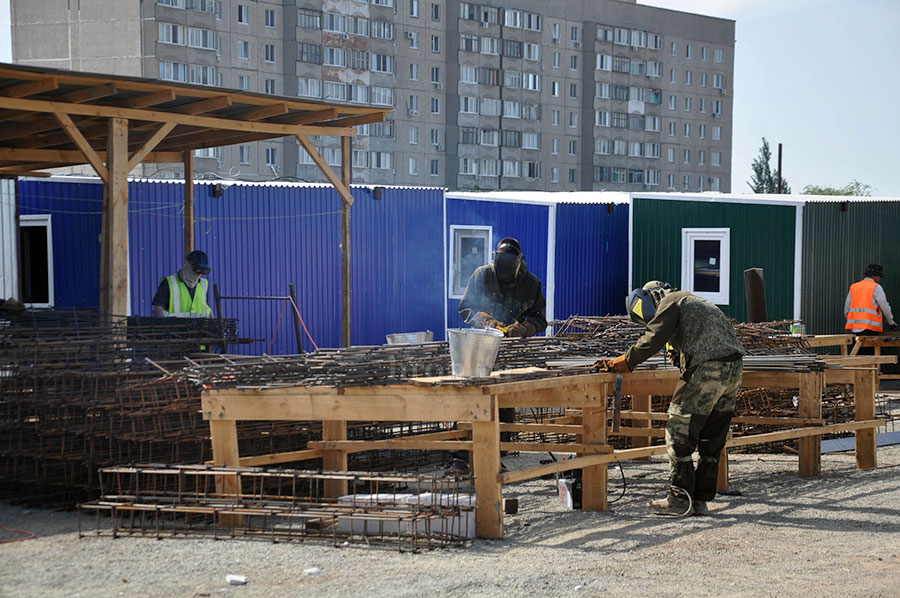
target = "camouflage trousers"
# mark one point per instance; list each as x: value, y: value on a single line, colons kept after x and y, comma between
x: 699, y: 418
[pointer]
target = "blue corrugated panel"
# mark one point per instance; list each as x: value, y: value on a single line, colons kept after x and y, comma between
x: 525, y: 222
x: 75, y: 210
x: 261, y: 238
x: 591, y: 259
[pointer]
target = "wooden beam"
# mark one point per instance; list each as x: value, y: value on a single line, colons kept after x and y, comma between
x: 334, y: 459
x: 204, y: 105
x: 149, y: 145
x: 293, y: 404
x: 810, y: 405
x: 81, y: 143
x: 31, y: 88
x: 642, y: 403
x: 486, y: 466
x: 304, y: 118
x: 117, y: 183
x: 223, y: 437
x: 68, y: 157
x: 394, y: 444
x: 346, y: 264
x: 593, y: 493
x: 149, y: 99
x: 261, y: 113
x: 276, y: 458
x: 343, y: 190
x: 32, y: 173
x: 275, y: 129
x: 189, y: 202
x: 352, y: 121
x: 74, y: 97
x: 864, y: 403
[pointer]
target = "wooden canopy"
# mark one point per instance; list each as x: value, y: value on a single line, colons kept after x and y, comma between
x: 53, y: 118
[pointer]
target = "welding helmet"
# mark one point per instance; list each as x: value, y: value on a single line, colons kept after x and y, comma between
x: 641, y: 303
x: 509, y: 263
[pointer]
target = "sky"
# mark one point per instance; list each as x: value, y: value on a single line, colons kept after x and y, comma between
x: 818, y: 76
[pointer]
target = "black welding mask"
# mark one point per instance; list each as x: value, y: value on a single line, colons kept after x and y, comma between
x: 641, y: 303
x: 509, y: 263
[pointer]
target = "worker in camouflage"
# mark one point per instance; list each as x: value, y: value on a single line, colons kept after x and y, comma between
x: 703, y: 345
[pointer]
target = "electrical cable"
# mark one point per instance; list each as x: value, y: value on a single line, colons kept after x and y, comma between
x: 690, y: 502
x: 302, y: 323
x: 624, y: 485
x: 28, y: 535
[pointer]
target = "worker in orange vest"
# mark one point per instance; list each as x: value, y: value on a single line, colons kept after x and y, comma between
x: 867, y: 307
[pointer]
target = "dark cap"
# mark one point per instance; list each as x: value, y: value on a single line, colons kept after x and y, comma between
x: 509, y: 245
x: 874, y: 270
x: 198, y: 259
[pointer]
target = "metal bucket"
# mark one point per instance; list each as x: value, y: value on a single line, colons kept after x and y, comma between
x: 410, y: 338
x: 473, y: 351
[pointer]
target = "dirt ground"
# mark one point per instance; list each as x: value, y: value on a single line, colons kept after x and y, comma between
x: 778, y: 535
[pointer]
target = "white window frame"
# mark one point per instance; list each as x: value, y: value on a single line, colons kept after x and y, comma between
x: 688, y: 238
x: 455, y: 286
x: 45, y: 220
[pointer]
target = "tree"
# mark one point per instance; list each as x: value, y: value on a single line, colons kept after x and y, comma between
x: 763, y: 180
x: 854, y: 187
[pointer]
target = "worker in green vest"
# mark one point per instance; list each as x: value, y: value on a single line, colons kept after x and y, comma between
x: 183, y: 294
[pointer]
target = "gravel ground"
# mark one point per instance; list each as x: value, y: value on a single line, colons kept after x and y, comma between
x: 835, y: 535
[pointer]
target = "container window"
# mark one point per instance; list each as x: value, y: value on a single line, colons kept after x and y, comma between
x: 705, y: 263
x: 470, y: 249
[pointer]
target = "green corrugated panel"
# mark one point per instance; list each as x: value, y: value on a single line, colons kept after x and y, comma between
x: 762, y: 236
x: 839, y: 240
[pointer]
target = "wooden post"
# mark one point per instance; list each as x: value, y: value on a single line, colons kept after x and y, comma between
x: 864, y: 401
x: 810, y: 405
x: 345, y: 245
x: 188, y: 201
x: 334, y: 459
x: 594, y: 478
x: 294, y: 309
x: 117, y: 236
x: 722, y: 480
x: 224, y: 440
x: 641, y: 403
x: 486, y: 467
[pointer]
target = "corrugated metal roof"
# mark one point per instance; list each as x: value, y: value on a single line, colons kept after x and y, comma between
x: 759, y: 198
x: 546, y: 197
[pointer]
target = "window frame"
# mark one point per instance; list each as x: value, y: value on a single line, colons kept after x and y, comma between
x: 456, y: 287
x: 689, y: 236
x: 45, y: 221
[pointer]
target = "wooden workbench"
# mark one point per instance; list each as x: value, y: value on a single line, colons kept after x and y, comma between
x: 478, y: 405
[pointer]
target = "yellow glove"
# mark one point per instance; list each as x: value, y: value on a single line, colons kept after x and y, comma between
x: 618, y: 364
x: 484, y: 320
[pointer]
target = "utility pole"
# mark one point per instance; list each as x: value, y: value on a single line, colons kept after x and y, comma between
x: 779, y: 170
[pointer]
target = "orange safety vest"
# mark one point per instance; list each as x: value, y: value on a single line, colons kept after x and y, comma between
x: 864, y: 314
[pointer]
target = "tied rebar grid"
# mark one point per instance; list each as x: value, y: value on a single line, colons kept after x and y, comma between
x: 408, y: 512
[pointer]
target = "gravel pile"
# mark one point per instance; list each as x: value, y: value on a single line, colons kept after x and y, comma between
x: 778, y: 535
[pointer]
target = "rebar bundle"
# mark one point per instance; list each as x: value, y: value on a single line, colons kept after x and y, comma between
x: 409, y: 512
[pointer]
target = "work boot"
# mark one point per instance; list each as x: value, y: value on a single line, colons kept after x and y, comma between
x: 700, y: 508
x: 670, y: 505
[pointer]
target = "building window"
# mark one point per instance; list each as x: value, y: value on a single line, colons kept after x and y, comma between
x: 335, y: 91
x: 414, y: 135
x: 382, y: 160
x: 701, y: 159
x: 573, y: 175
x: 554, y: 147
x: 310, y: 53
x: 309, y: 88
x: 243, y: 14
x: 717, y: 133
x: 554, y: 174
x: 512, y: 168
x: 704, y: 53
x: 172, y: 3
x: 414, y: 166
x: 413, y: 72
x: 687, y: 129
x: 435, y: 169
x: 554, y: 118
x: 270, y: 18
x: 573, y: 62
x: 436, y: 43
x: 573, y: 91
x: 705, y: 257
x: 359, y: 60
x: 716, y: 158
x: 670, y: 182
x: 309, y: 19
x: 670, y: 155
x: 601, y: 118
x: 202, y: 38
x: 573, y: 147
x: 414, y: 8
x: 687, y: 156
x: 270, y: 52
x: 435, y: 105
x: 270, y: 86
x: 271, y: 156
x: 719, y: 55
x: 244, y: 154
x: 172, y: 71
x: 244, y: 83
x: 435, y: 12
x: 573, y: 119
x: 243, y: 50
x: 470, y: 249
x: 689, y: 51
x: 336, y: 57
x: 202, y: 75
x: 171, y: 34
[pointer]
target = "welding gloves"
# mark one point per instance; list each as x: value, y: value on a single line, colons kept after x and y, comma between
x: 521, y: 329
x: 484, y: 320
x: 618, y: 365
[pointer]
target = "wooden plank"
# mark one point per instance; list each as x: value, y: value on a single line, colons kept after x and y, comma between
x: 304, y: 118
x: 534, y: 428
x: 810, y: 405
x: 801, y: 433
x: 582, y: 394
x: 395, y: 444
x: 276, y: 458
x: 224, y: 441
x: 859, y: 360
x: 864, y: 403
x: 486, y: 466
x: 593, y: 478
x: 30, y: 88
x: 353, y: 121
x: 281, y: 404
x: 149, y: 145
x: 829, y: 340
x: 155, y: 98
x: 639, y: 433
x: 262, y: 112
x: 554, y: 447
x: 90, y: 155
x: 346, y: 239
x: 642, y: 403
x: 274, y: 129
x: 204, y: 105
x: 764, y: 379
x: 554, y: 383
x: 334, y: 459
x: 117, y: 148
x: 25, y: 154
x: 342, y: 189
x: 722, y: 473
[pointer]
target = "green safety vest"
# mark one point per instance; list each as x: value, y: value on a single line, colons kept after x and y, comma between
x: 180, y: 303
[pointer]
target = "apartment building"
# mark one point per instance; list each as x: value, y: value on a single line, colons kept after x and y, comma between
x: 579, y: 95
